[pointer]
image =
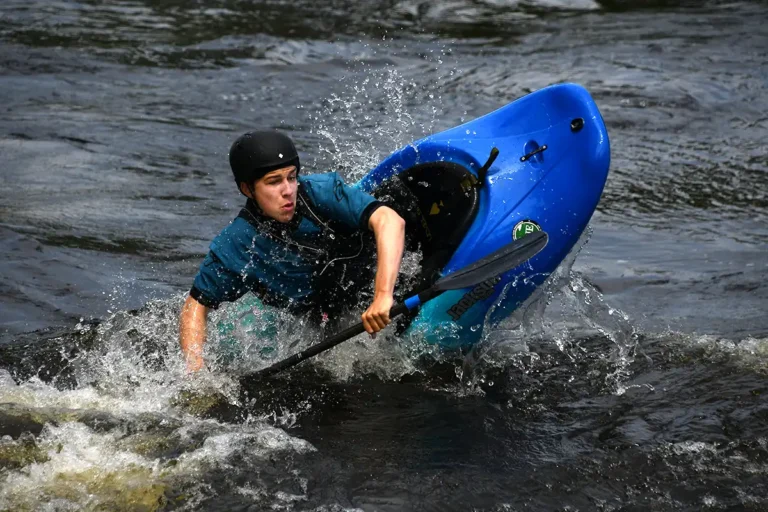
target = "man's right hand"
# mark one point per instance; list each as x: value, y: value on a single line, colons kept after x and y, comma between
x: 192, y: 327
x: 376, y: 317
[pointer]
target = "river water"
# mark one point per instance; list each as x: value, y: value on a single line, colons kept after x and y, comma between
x: 637, y: 380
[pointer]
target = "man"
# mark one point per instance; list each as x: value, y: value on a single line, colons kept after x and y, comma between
x: 297, y: 244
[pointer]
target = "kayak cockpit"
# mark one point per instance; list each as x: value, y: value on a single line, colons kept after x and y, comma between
x: 439, y: 202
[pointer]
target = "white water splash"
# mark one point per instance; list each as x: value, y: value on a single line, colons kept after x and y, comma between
x: 90, y: 470
x: 385, y: 104
x: 564, y: 310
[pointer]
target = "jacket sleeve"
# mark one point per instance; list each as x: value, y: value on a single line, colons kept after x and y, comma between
x: 215, y: 283
x: 344, y: 203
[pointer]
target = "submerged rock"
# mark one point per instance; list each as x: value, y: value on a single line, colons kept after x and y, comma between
x: 202, y: 403
x: 134, y: 489
x: 156, y: 443
x: 20, y: 453
x: 15, y: 419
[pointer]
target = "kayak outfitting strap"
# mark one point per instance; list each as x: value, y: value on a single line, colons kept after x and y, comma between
x: 483, y: 171
x: 539, y: 149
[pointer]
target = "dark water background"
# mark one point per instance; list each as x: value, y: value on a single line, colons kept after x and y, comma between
x: 636, y: 382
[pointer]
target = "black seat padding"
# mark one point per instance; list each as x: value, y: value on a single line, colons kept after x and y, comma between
x: 439, y: 202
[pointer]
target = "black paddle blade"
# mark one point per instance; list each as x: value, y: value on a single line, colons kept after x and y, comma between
x: 506, y: 258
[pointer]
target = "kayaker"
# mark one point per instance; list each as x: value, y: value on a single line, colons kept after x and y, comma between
x: 302, y: 243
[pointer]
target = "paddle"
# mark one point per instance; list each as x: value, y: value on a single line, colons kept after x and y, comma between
x: 506, y: 258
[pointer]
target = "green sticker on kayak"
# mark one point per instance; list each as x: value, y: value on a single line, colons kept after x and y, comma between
x: 524, y: 227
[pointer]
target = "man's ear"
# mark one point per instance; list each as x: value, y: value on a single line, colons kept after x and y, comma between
x: 244, y: 190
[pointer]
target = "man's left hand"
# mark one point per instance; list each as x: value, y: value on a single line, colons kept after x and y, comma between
x: 376, y: 317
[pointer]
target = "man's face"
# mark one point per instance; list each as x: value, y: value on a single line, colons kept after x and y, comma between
x: 276, y: 193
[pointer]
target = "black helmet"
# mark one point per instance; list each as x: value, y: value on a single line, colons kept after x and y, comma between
x: 254, y: 154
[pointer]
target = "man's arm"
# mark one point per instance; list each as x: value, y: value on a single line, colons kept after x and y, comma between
x: 192, y: 327
x: 389, y: 230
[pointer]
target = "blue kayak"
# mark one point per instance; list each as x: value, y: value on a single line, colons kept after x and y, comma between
x: 538, y: 163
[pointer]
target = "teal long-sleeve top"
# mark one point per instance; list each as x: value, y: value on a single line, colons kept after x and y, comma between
x: 287, y: 264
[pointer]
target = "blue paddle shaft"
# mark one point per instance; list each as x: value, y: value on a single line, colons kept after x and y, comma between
x: 413, y: 302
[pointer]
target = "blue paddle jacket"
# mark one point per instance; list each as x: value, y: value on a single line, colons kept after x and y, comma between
x: 297, y: 265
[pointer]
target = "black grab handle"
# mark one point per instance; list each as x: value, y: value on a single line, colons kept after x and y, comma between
x: 534, y: 152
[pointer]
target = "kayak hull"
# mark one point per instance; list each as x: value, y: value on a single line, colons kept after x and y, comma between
x: 553, y: 161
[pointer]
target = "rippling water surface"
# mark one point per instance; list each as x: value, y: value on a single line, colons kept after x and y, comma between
x: 637, y: 380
